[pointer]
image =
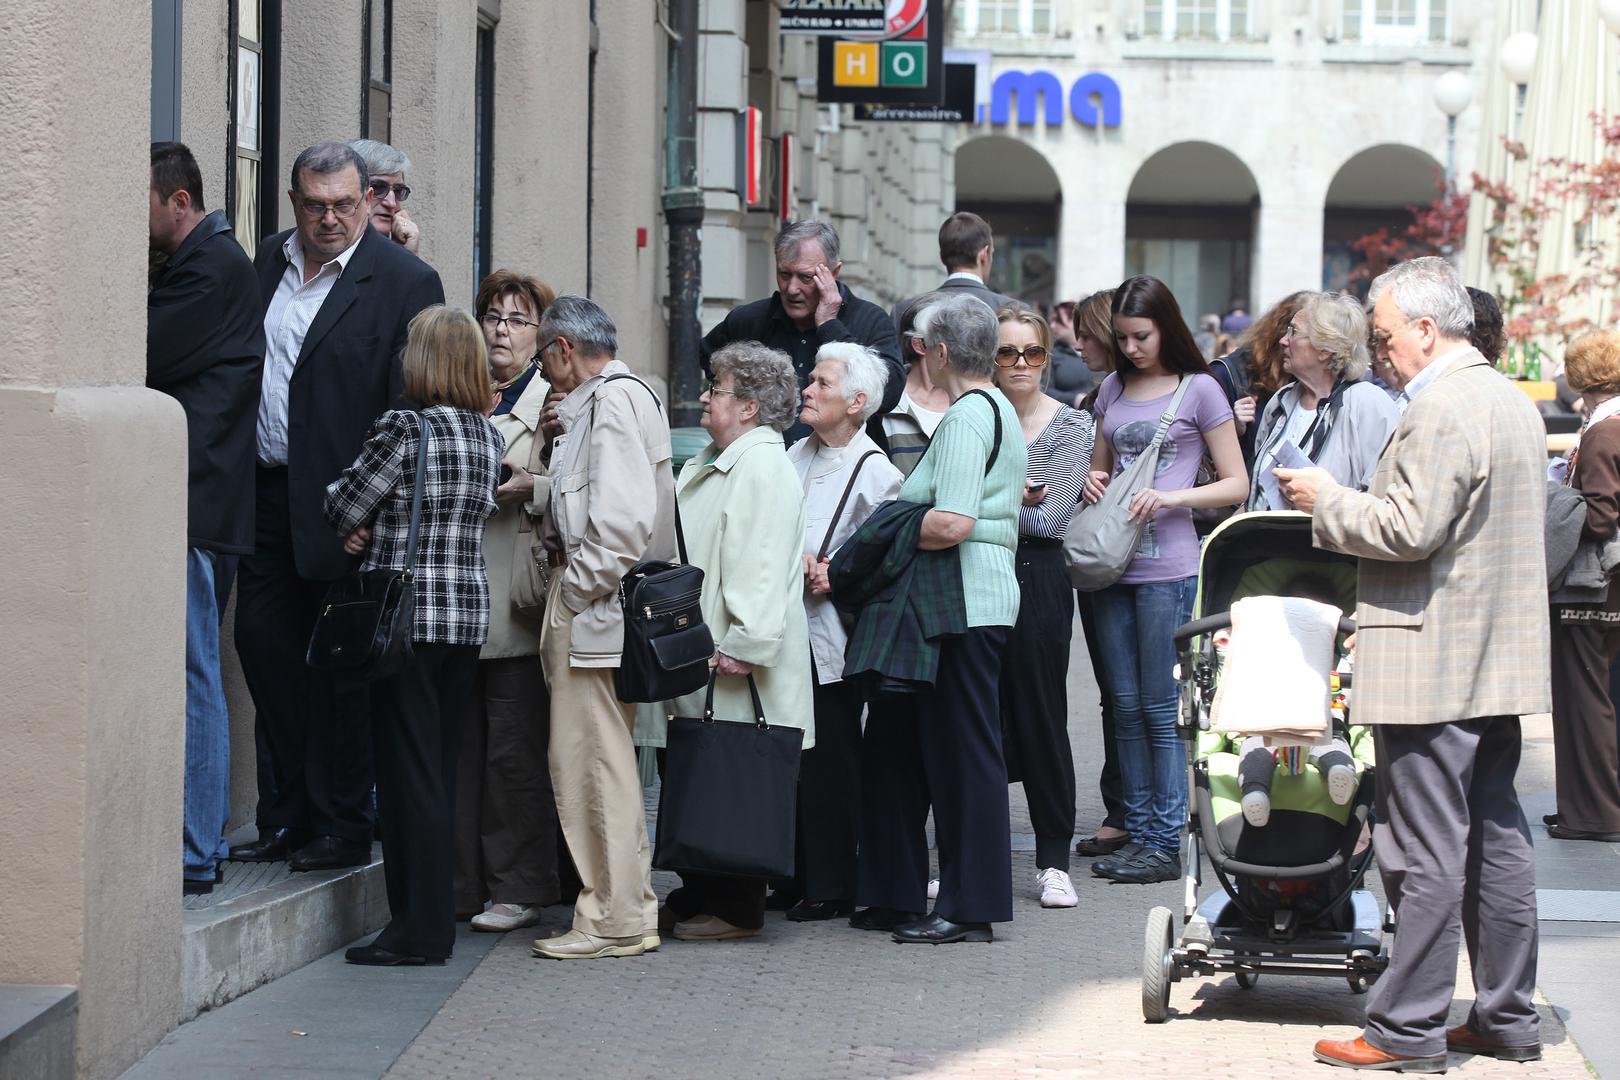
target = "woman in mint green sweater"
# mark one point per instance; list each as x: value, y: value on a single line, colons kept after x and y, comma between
x: 944, y: 740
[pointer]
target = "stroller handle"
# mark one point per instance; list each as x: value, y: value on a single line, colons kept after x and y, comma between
x: 1223, y: 619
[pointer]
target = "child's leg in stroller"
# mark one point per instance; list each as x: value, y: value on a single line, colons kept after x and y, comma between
x: 1333, y: 758
x: 1256, y: 763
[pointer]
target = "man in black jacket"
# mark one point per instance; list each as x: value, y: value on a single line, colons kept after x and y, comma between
x: 809, y: 309
x: 205, y: 348
x: 337, y: 299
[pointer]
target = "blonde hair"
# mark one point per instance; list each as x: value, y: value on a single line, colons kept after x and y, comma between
x: 1593, y: 362
x: 1018, y: 311
x: 1337, y: 326
x: 446, y: 361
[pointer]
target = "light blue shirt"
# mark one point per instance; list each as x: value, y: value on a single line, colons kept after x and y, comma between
x: 1435, y: 369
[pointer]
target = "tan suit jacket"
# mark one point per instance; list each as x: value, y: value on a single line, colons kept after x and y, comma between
x: 1452, y: 592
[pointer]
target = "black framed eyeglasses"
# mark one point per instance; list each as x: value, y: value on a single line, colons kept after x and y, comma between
x: 514, y: 323
x: 318, y: 210
x: 381, y: 188
x: 1033, y: 355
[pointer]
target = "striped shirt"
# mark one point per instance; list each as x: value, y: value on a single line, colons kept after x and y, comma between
x: 1060, y: 458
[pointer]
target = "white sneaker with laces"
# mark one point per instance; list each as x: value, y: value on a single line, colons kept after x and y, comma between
x: 1257, y: 808
x: 1341, y: 780
x: 933, y: 888
x: 1057, y: 890
x: 503, y: 917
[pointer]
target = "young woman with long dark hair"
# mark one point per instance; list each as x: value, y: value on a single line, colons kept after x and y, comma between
x: 1137, y: 616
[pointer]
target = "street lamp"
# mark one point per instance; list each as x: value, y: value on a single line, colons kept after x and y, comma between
x: 1518, y: 60
x: 1453, y: 92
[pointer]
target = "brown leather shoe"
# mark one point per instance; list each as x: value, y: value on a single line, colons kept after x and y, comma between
x: 1465, y: 1040
x: 1358, y: 1053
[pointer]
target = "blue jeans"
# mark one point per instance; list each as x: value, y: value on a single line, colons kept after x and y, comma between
x: 1136, y: 624
x: 208, y: 725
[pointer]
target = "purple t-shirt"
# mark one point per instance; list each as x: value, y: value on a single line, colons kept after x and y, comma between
x: 1169, y: 548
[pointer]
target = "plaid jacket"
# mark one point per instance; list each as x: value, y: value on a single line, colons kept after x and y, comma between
x: 452, y: 589
x: 904, y: 600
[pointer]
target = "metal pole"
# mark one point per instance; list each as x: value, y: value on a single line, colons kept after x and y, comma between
x: 1451, y: 152
x: 683, y: 215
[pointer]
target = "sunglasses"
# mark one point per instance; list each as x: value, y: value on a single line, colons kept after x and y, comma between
x: 1033, y: 355
x: 381, y: 188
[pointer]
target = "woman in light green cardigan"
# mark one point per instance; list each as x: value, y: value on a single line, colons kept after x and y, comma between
x: 742, y: 510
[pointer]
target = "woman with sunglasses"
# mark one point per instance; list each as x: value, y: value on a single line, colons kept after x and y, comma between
x: 1035, y: 662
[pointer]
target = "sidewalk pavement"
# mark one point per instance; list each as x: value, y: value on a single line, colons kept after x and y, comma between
x: 1057, y: 995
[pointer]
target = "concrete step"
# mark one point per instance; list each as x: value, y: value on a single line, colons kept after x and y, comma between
x: 265, y: 922
x: 37, y: 1031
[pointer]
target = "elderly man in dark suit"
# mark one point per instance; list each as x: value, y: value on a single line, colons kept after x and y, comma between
x: 1452, y: 650
x: 205, y: 348
x: 338, y: 297
x: 966, y: 247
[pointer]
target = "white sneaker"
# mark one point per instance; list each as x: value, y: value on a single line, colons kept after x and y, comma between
x: 933, y: 888
x: 1341, y: 780
x: 1056, y: 888
x: 1257, y: 808
x: 503, y: 917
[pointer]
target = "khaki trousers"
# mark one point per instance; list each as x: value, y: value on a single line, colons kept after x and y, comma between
x: 598, y: 787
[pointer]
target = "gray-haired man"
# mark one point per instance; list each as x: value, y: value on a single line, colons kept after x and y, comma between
x: 387, y: 168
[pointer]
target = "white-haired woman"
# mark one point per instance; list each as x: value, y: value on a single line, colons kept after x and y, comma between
x: 844, y: 475
x: 742, y: 509
x: 1327, y: 412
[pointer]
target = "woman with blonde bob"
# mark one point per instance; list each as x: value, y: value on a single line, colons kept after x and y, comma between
x: 418, y: 709
x: 1326, y: 411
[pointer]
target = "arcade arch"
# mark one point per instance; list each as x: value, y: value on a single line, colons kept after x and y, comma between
x: 1374, y: 189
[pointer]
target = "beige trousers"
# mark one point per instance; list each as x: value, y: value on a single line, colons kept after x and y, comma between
x: 598, y: 787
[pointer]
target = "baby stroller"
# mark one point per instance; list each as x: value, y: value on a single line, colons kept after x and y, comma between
x: 1292, y: 899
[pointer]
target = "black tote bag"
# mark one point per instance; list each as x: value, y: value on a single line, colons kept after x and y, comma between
x: 729, y: 793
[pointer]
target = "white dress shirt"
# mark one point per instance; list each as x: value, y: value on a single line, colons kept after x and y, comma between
x: 292, y: 310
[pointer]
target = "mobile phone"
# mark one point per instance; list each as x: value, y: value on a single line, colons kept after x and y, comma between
x: 1037, y: 487
x: 506, y: 472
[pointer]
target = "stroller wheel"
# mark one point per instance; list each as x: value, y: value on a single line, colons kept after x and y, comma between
x: 1157, y: 965
x: 1359, y: 984
x: 1246, y: 979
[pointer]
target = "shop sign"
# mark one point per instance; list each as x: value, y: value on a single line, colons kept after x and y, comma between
x: 1094, y: 99
x: 904, y: 64
x: 833, y: 17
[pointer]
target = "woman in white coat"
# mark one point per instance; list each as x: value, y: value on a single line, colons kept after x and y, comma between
x: 844, y: 475
x: 742, y: 510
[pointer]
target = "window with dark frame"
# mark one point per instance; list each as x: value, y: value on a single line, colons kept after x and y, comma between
x: 248, y: 128
x: 377, y: 95
x: 483, y: 147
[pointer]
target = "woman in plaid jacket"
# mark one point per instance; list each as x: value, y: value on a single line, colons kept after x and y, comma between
x: 418, y: 710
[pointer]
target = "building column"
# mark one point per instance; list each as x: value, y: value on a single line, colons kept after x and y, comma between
x: 92, y: 615
x: 1091, y: 245
x: 1287, y: 251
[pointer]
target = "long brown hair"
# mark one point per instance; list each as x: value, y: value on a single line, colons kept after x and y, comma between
x: 1263, y: 339
x: 1146, y: 297
x: 1092, y: 316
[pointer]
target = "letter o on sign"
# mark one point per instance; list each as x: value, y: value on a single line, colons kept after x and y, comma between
x: 904, y: 65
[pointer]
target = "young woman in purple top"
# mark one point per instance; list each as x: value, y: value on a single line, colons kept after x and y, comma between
x: 1136, y: 618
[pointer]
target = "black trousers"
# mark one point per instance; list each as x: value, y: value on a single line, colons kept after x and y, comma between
x: 940, y: 745
x: 830, y: 796
x: 311, y: 731
x: 739, y: 901
x: 1585, y: 752
x: 1109, y: 783
x: 418, y: 738
x: 1035, y: 699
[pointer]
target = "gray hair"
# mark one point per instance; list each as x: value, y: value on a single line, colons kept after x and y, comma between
x: 381, y: 159
x: 1428, y: 288
x: 581, y: 321
x: 1336, y: 325
x: 968, y: 329
x: 795, y: 233
x: 330, y: 157
x: 864, y: 373
x: 762, y: 375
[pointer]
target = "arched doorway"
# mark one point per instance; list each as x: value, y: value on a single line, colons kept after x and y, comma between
x: 1371, y: 191
x: 1012, y: 186
x: 1190, y: 222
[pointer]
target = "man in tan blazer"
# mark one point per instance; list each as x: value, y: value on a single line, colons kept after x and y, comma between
x: 1452, y: 648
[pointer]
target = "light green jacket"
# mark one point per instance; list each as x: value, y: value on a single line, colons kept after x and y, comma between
x: 742, y: 510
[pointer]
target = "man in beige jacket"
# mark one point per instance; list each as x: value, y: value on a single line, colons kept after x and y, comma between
x: 608, y: 465
x: 1452, y: 648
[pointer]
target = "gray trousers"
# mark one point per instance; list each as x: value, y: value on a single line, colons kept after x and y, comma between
x: 1455, y: 855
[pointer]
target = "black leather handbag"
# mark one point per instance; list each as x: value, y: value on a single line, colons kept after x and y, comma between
x: 368, y: 616
x: 729, y: 795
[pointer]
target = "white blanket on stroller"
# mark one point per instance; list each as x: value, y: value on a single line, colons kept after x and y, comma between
x: 1274, y: 681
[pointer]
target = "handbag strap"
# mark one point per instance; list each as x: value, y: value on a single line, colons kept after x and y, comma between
x: 1168, y: 417
x: 753, y: 692
x: 423, y: 441
x: 680, y: 533
x: 826, y: 541
x: 995, y: 413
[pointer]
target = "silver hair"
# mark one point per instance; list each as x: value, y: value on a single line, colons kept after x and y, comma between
x: 381, y: 159
x: 969, y: 330
x: 1428, y: 288
x: 330, y: 157
x: 864, y: 373
x: 797, y: 232
x: 1336, y: 325
x: 581, y: 321
x: 762, y: 375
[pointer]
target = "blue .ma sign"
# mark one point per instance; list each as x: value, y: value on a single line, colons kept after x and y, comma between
x: 1093, y: 99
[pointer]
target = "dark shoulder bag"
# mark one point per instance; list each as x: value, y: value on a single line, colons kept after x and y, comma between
x: 667, y: 644
x: 366, y: 621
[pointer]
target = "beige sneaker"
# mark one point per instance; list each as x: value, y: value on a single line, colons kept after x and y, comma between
x: 578, y: 945
x: 710, y: 928
x: 650, y: 941
x: 503, y: 917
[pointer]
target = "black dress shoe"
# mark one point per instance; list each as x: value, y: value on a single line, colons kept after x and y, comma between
x: 377, y: 956
x: 1560, y: 832
x: 1549, y: 819
x: 193, y: 887
x: 938, y: 930
x: 783, y: 899
x: 820, y: 910
x: 882, y: 918
x: 1094, y: 845
x: 329, y: 853
x: 272, y: 846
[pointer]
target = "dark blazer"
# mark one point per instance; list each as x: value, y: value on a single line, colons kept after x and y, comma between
x: 205, y: 348
x: 348, y: 373
x: 951, y: 285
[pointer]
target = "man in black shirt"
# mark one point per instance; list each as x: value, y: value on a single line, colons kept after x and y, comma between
x: 809, y: 309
